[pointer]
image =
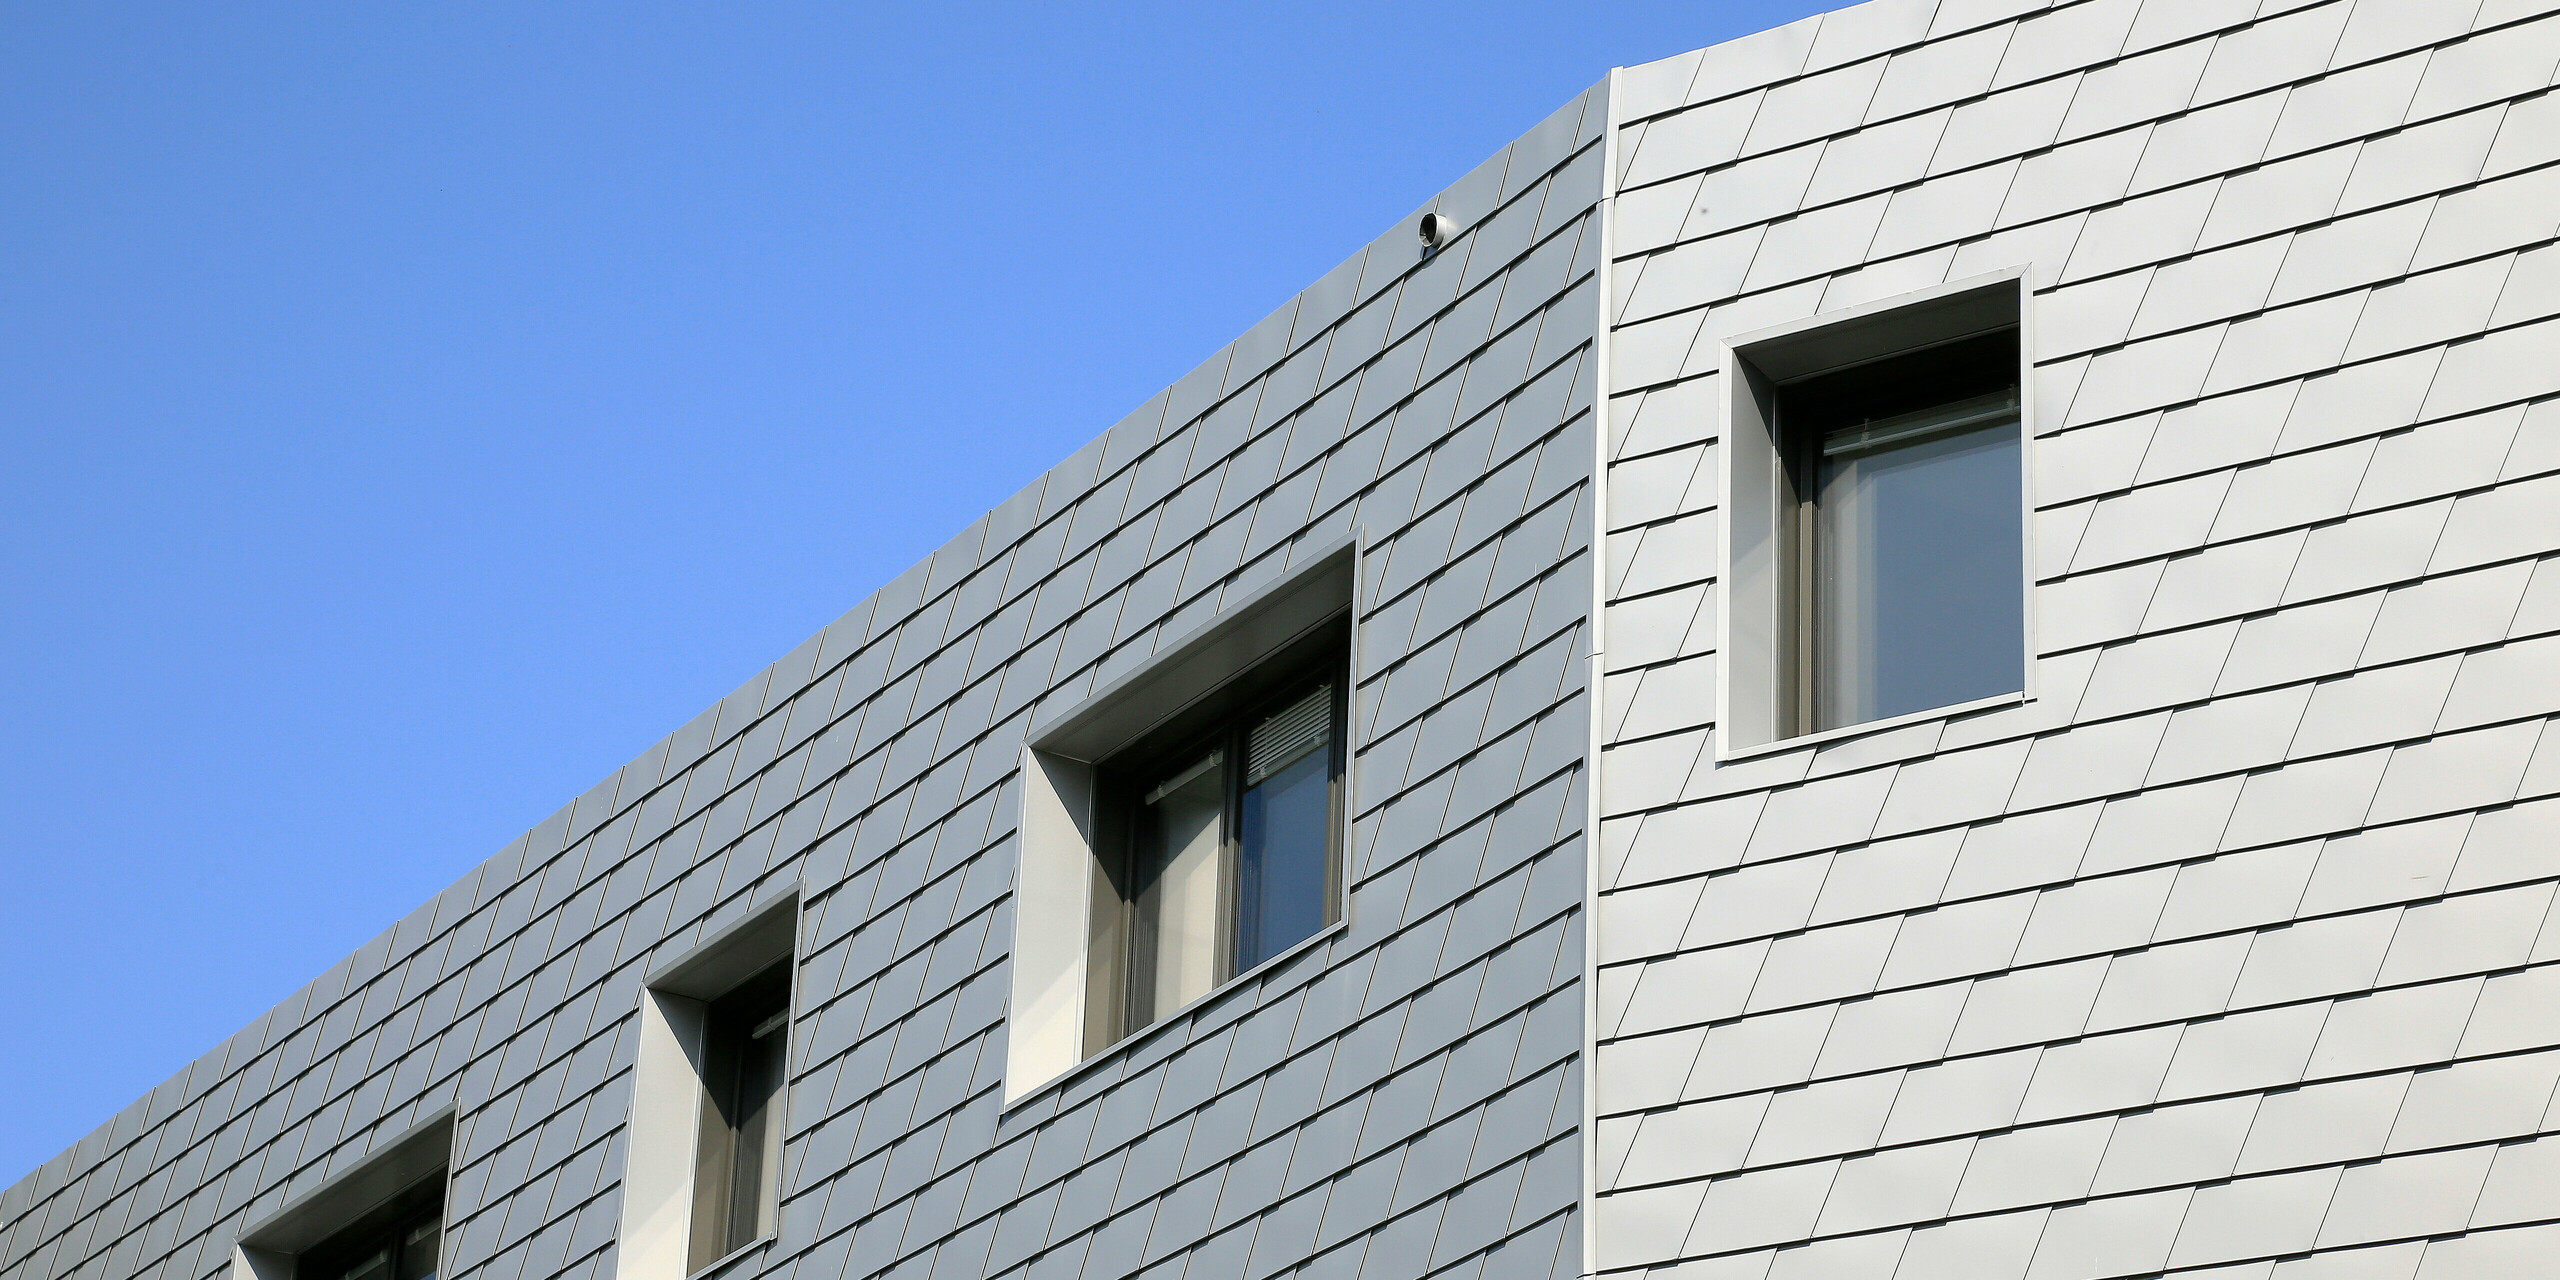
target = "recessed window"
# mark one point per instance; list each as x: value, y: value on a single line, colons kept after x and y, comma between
x: 382, y: 1219
x: 1183, y: 825
x: 1876, y: 516
x: 400, y: 1241
x: 1907, y: 533
x: 738, y: 1155
x: 1226, y: 851
x: 703, y: 1176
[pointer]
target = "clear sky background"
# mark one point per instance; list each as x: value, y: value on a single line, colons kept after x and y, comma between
x: 408, y: 414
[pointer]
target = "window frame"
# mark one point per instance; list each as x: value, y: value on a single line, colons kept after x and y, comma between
x: 726, y: 1037
x: 1120, y: 783
x: 1762, y: 642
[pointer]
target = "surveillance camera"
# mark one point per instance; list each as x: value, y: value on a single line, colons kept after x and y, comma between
x: 1436, y: 229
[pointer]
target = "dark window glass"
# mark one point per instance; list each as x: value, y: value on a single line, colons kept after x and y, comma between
x: 419, y: 1245
x: 746, y: 1034
x: 398, y: 1241
x: 1231, y: 849
x: 1287, y: 826
x: 1909, y: 545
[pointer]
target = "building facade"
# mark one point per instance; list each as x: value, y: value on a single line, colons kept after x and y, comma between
x: 1916, y: 646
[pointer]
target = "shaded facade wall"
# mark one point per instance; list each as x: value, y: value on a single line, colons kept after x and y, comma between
x: 1404, y: 1098
x: 2231, y: 948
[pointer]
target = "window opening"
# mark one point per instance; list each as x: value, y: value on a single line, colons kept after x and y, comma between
x: 738, y: 1152
x: 1906, y: 544
x: 399, y: 1241
x: 1182, y: 824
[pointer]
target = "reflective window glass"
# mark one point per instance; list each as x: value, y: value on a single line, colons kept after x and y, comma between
x: 738, y: 1147
x: 1910, y: 541
x: 1230, y: 819
x: 1287, y: 812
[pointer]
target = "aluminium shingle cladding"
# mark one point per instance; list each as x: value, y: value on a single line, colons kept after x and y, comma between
x: 1404, y: 1098
x: 2231, y: 953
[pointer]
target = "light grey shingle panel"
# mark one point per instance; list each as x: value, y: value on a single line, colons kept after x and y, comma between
x: 2274, y: 747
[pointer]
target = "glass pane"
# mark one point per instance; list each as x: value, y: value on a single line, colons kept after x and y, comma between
x: 744, y: 1034
x: 1286, y: 830
x: 418, y: 1249
x: 373, y: 1266
x: 1178, y: 894
x: 760, y: 1071
x: 1917, y: 574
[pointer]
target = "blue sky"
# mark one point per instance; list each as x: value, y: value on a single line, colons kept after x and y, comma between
x: 408, y: 414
